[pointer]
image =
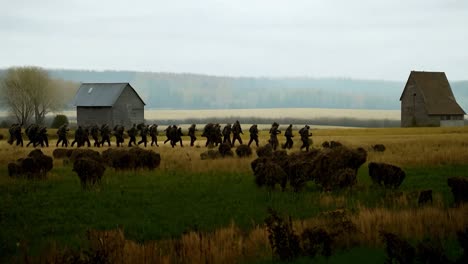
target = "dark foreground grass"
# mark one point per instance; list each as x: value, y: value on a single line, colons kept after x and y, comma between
x: 156, y: 205
x: 361, y: 255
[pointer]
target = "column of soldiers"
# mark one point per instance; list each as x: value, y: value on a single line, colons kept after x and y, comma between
x: 37, y: 135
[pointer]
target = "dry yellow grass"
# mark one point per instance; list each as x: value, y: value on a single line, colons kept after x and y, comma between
x: 231, y: 245
x: 405, y: 147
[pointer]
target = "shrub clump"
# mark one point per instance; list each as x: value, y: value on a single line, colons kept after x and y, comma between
x: 60, y: 153
x: 35, y: 166
x: 265, y: 151
x: 77, y: 154
x: 132, y: 159
x: 386, y: 175
x: 378, y: 148
x: 330, y: 168
x: 59, y: 120
x: 210, y: 154
x: 89, y: 171
x: 313, y: 241
x: 225, y: 150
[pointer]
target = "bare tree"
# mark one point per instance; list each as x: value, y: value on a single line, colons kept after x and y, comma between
x: 29, y: 92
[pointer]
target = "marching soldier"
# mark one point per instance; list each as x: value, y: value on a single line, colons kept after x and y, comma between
x: 132, y: 132
x: 143, y: 134
x: 168, y: 134
x: 62, y: 132
x: 227, y: 134
x: 153, y: 131
x: 253, y: 135
x: 105, y: 135
x: 289, y: 135
x: 79, y: 135
x: 95, y: 135
x: 305, y: 137
x: 191, y: 133
x: 43, y: 137
x: 119, y: 135
x: 274, y: 135
x: 236, y: 131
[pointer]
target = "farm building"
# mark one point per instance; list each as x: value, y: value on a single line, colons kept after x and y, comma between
x: 108, y: 103
x: 428, y: 100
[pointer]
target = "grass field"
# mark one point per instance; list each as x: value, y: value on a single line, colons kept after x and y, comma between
x: 155, y: 211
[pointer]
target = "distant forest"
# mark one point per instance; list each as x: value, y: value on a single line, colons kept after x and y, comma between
x: 191, y: 91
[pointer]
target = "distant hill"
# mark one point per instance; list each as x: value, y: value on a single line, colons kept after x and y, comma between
x: 191, y: 91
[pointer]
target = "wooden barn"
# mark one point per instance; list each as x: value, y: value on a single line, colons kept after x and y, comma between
x: 108, y: 103
x: 428, y: 100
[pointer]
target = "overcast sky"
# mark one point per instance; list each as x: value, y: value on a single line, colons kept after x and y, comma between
x: 367, y: 39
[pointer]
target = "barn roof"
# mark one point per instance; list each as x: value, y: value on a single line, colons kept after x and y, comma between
x: 437, y: 93
x: 100, y: 94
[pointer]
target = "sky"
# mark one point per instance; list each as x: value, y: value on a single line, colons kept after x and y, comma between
x: 365, y: 39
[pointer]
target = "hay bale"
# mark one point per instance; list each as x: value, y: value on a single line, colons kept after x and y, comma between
x: 425, y: 197
x: 243, y: 151
x: 265, y: 151
x: 386, y: 175
x: 210, y: 154
x: 2, y: 137
x: 60, y: 153
x: 459, y: 187
x: 89, y: 171
x: 378, y: 148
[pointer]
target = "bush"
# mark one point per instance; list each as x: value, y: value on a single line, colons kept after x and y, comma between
x: 210, y: 154
x: 132, y: 159
x: 265, y: 151
x: 60, y: 153
x: 34, y: 166
x: 243, y: 151
x: 89, y: 171
x: 331, y: 168
x: 59, y: 120
x: 283, y: 241
x: 225, y: 150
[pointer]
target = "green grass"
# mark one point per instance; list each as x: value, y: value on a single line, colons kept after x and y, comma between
x: 155, y: 205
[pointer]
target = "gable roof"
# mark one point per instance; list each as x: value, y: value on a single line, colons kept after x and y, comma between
x: 100, y: 94
x: 437, y: 93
